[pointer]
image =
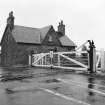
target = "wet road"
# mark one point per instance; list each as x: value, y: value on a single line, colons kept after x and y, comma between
x: 36, y: 86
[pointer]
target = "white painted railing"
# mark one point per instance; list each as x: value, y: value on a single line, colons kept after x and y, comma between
x: 78, y: 63
x: 47, y: 60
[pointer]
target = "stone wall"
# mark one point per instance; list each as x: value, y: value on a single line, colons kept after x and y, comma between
x: 8, y: 46
x: 24, y: 50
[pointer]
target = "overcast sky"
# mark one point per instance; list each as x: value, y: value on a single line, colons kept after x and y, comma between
x: 84, y: 19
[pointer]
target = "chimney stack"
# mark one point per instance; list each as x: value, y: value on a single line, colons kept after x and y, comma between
x: 10, y: 20
x: 61, y: 27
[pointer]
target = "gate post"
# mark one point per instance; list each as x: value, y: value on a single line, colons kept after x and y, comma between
x: 51, y: 57
x: 31, y: 57
x: 58, y: 60
x: 102, y: 60
x: 92, y: 57
x: 29, y: 60
x: 42, y: 58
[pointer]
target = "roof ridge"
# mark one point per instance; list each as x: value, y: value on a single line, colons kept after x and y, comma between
x: 27, y: 27
x: 33, y: 27
x: 46, y: 26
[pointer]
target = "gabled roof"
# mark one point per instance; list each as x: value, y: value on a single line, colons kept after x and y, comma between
x: 44, y: 31
x: 29, y: 35
x: 65, y: 41
x: 36, y: 35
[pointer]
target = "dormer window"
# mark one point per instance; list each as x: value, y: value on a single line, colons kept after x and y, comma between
x: 50, y: 39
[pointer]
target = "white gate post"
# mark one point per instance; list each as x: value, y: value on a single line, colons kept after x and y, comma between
x: 88, y: 61
x: 42, y: 58
x: 29, y: 60
x: 94, y: 60
x: 58, y: 60
x: 51, y: 57
x: 102, y: 60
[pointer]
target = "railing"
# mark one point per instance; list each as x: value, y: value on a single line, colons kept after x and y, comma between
x: 67, y: 60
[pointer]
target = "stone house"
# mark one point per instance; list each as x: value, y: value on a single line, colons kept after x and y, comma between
x: 20, y: 41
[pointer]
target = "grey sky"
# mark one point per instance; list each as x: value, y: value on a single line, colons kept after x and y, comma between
x: 84, y: 19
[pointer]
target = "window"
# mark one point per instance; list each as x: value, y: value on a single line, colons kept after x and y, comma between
x: 50, y: 39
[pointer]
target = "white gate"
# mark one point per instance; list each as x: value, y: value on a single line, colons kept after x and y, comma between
x: 75, y: 60
x: 66, y: 60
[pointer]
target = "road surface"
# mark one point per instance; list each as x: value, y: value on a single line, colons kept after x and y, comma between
x: 36, y: 86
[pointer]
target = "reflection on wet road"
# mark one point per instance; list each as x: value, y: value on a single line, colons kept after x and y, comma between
x: 36, y: 86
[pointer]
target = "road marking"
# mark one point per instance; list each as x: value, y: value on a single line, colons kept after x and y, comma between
x: 50, y: 91
x: 65, y: 97
x: 69, y: 82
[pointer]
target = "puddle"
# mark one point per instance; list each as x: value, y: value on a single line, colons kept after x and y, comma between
x: 51, y: 80
x: 31, y: 89
x: 14, y: 78
x: 9, y: 91
x: 56, y: 88
x: 91, y: 82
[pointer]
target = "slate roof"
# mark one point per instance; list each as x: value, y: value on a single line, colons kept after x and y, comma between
x: 44, y: 30
x: 65, y: 41
x: 29, y: 35
x: 36, y: 35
